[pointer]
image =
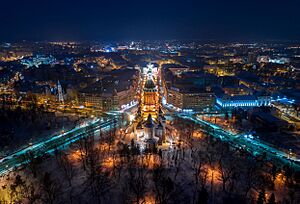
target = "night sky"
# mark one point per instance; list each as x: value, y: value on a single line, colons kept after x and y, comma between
x: 149, y: 19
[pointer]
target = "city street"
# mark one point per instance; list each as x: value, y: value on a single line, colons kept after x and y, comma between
x: 57, y: 142
x: 251, y: 144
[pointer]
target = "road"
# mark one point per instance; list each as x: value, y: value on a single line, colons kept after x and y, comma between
x: 57, y: 142
x: 245, y: 141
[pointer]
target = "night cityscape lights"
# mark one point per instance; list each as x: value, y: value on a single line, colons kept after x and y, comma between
x: 150, y: 102
x: 170, y: 113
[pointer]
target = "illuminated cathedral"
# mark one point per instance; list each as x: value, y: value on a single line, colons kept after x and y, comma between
x: 150, y: 122
x: 150, y: 98
x: 151, y: 131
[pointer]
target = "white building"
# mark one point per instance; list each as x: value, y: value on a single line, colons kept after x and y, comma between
x: 243, y: 101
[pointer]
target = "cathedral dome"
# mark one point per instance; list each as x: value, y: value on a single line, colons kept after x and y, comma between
x: 149, y: 122
x: 149, y: 84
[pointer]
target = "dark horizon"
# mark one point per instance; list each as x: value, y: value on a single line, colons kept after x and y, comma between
x: 120, y: 41
x: 150, y: 20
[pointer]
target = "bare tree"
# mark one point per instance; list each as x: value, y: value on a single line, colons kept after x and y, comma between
x: 227, y: 171
x: 177, y: 165
x: 21, y: 191
x: 31, y: 162
x: 84, y: 145
x: 98, y: 180
x: 101, y: 186
x: 250, y: 173
x: 203, y: 177
x: 197, y: 167
x: 202, y: 196
x: 118, y: 165
x: 164, y: 188
x: 93, y: 162
x: 32, y: 193
x: 16, y: 190
x: 137, y: 183
x: 67, y: 168
x: 51, y: 190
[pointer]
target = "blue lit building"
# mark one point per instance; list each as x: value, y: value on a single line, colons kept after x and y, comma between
x: 38, y: 60
x: 228, y: 102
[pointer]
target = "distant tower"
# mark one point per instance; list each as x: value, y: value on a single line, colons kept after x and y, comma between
x: 60, y: 92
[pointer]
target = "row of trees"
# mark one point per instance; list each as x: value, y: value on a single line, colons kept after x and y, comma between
x: 234, y: 174
x: 106, y: 170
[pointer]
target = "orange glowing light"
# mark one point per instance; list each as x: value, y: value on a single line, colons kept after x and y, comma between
x: 149, y: 199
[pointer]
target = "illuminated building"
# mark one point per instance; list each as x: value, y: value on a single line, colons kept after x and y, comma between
x: 243, y: 101
x: 38, y: 60
x: 42, y: 92
x: 282, y: 60
x: 7, y: 56
x: 187, y: 99
x: 237, y: 90
x: 151, y: 131
x: 149, y: 68
x: 60, y: 92
x: 150, y: 98
x: 263, y: 59
x: 114, y: 92
x: 188, y: 90
x: 107, y: 100
x: 149, y: 125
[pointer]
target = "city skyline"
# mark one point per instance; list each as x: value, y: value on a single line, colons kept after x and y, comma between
x: 150, y: 102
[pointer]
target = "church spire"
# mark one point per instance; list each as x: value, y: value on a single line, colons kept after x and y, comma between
x: 60, y: 92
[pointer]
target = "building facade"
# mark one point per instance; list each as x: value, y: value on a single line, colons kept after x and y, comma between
x: 108, y: 101
x: 190, y: 100
x: 228, y: 102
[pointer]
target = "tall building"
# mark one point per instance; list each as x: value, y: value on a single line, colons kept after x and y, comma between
x: 150, y: 98
x: 149, y: 125
x: 60, y: 92
x: 252, y: 58
x: 185, y: 99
